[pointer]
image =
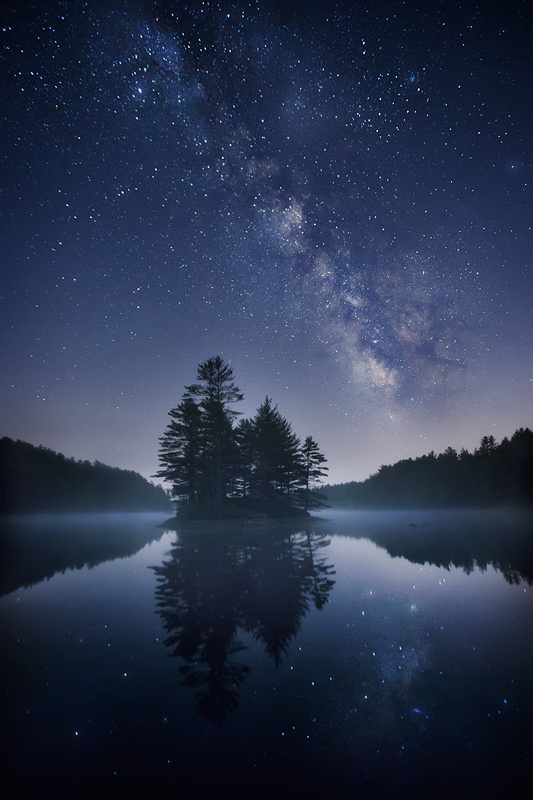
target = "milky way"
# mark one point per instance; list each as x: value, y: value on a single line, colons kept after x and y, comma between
x: 333, y: 199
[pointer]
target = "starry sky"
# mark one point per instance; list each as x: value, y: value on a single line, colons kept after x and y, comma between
x: 331, y: 196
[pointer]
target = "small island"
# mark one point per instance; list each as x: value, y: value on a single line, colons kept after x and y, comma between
x: 223, y: 470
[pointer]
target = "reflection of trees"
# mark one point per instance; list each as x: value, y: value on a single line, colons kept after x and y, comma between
x: 34, y: 548
x: 216, y: 584
x: 507, y: 551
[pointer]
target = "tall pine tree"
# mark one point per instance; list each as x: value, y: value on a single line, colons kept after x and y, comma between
x: 312, y: 472
x: 276, y: 452
x: 217, y: 391
x: 198, y: 450
x: 180, y: 451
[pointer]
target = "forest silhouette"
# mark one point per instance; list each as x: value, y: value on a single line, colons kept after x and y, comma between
x: 493, y: 475
x: 35, y: 479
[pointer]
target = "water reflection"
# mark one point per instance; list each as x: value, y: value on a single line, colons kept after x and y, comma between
x: 35, y: 547
x: 217, y: 584
x: 514, y: 562
x: 466, y: 540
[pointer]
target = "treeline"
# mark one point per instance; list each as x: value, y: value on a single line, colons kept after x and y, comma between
x: 36, y: 479
x: 493, y: 475
x: 215, y: 464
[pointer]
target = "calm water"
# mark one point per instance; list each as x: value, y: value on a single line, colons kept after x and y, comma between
x: 366, y: 655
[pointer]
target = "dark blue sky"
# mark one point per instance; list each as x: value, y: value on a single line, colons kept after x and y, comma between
x: 333, y: 198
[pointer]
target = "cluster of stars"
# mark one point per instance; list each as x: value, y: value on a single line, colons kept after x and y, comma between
x: 359, y: 174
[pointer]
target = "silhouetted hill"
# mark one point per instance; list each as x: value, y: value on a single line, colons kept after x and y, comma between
x: 493, y: 475
x: 38, y: 479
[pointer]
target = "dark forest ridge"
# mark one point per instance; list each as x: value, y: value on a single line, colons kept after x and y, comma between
x: 36, y: 479
x: 493, y: 475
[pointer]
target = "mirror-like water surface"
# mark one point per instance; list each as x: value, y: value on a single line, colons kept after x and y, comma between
x: 363, y: 655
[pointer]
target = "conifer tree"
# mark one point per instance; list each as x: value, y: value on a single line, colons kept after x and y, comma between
x: 180, y: 450
x: 276, y: 449
x: 244, y: 437
x: 216, y: 390
x: 312, y: 472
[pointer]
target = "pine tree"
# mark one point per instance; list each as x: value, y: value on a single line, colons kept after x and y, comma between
x: 276, y: 452
x: 244, y: 437
x: 216, y: 390
x: 487, y: 446
x: 312, y: 472
x: 180, y: 450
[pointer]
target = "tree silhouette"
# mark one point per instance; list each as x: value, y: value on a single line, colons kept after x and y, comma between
x: 217, y: 391
x: 275, y: 451
x: 179, y: 453
x: 313, y: 470
x: 198, y: 450
x: 218, y: 467
x: 38, y: 479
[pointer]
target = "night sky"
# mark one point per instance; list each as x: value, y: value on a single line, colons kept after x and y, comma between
x: 331, y: 196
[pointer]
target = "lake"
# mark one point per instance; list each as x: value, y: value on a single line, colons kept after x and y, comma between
x: 365, y: 654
